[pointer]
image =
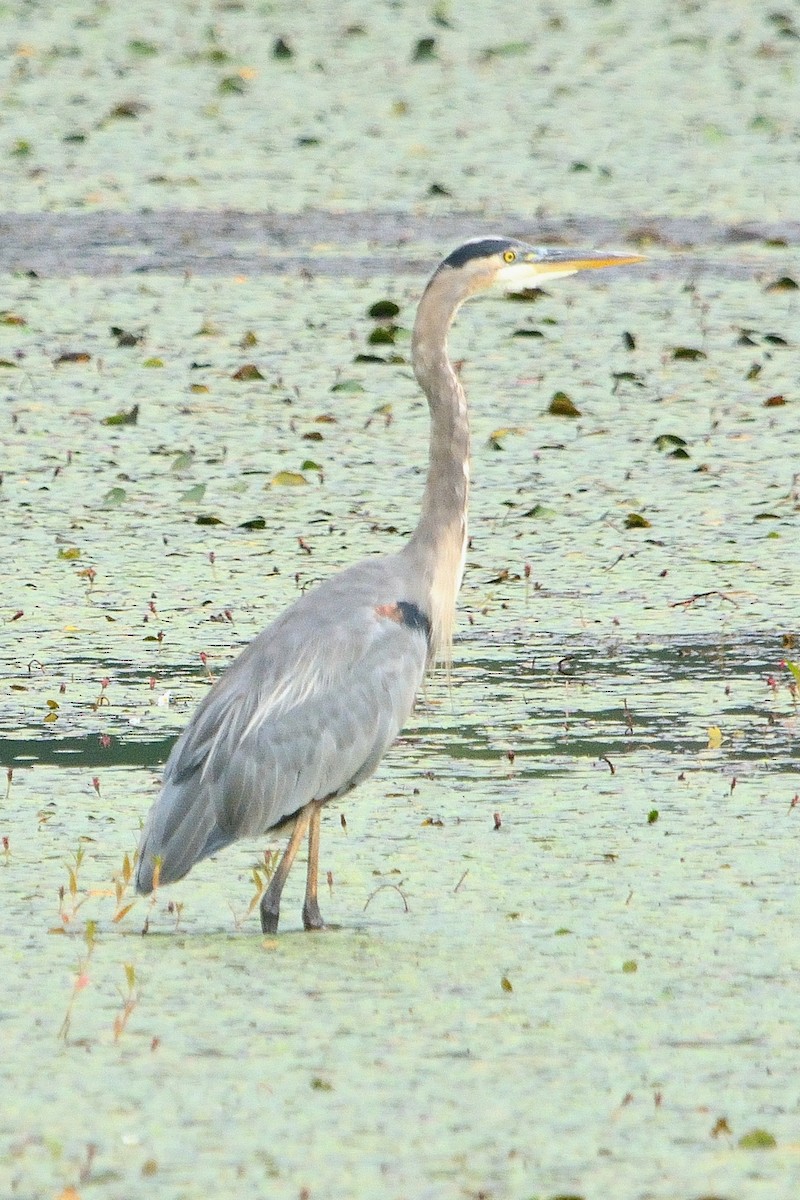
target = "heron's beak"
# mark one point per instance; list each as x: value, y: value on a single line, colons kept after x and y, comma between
x: 563, y: 262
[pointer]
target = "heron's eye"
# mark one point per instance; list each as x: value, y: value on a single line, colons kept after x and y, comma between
x: 509, y: 256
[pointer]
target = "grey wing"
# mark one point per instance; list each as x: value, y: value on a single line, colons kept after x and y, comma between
x: 286, y: 724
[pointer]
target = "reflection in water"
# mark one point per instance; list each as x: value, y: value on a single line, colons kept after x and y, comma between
x: 575, y: 700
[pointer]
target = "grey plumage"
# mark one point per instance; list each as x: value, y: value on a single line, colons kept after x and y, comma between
x: 293, y: 719
x: 307, y: 710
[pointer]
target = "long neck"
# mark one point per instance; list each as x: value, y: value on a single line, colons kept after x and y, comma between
x: 438, y: 544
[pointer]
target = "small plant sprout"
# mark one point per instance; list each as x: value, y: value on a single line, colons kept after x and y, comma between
x: 154, y: 895
x: 130, y: 998
x: 6, y: 849
x: 121, y: 884
x: 102, y: 698
x: 260, y: 875
x: 81, y: 979
x: 794, y: 682
x: 9, y: 777
x: 71, y: 889
x: 89, y: 574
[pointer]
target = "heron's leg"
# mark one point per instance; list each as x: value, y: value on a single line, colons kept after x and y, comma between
x: 271, y: 900
x: 312, y: 917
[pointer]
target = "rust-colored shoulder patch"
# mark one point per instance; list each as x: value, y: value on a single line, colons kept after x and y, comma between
x: 392, y: 611
x: 403, y: 612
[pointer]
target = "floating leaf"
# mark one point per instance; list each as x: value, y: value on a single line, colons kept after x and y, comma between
x: 636, y: 521
x: 128, y: 110
x: 10, y: 318
x: 125, y: 337
x: 382, y: 335
x: 70, y: 554
x: 527, y: 295
x: 194, y: 495
x: 313, y: 435
x: 142, y: 48
x: 308, y: 464
x: 370, y: 358
x: 123, y: 418
x: 495, y: 439
x: 208, y: 519
x: 665, y: 441
x: 757, y: 1139
x: 247, y: 373
x: 249, y: 340
x: 182, y: 460
x: 652, y: 816
x: 774, y: 401
x: 715, y: 738
x: 255, y: 523
x: 626, y: 377
x: 784, y: 284
x: 282, y: 49
x: 199, y: 389
x: 506, y: 984
x: 562, y: 406
x: 345, y: 385
x: 630, y: 966
x: 424, y: 50
x: 4, y: 362
x: 688, y: 354
x: 153, y: 364
x: 505, y: 50
x: 533, y: 333
x: 232, y: 85
x: 289, y: 479
x: 72, y: 357
x: 114, y: 497
x: 383, y: 310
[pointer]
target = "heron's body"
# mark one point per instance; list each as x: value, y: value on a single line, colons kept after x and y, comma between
x: 308, y: 709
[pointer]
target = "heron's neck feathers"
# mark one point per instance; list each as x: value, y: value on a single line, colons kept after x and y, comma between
x: 438, y: 544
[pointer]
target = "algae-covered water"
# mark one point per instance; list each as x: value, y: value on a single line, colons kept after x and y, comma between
x: 562, y: 958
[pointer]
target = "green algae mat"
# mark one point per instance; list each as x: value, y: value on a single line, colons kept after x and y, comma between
x: 563, y: 955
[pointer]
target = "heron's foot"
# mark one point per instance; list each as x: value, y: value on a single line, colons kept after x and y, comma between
x: 270, y: 914
x: 312, y: 917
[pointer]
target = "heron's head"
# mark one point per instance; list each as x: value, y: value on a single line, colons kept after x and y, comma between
x: 485, y: 262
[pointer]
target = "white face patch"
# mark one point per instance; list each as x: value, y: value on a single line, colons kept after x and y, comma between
x: 522, y: 274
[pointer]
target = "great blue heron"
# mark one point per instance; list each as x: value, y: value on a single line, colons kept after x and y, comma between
x: 308, y: 709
